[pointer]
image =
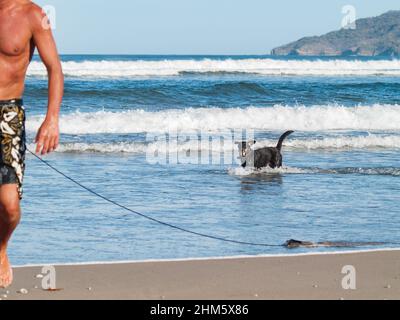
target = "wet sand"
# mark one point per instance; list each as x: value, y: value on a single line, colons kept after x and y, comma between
x: 282, y: 277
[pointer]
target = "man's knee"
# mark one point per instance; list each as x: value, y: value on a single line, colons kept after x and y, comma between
x: 10, y: 213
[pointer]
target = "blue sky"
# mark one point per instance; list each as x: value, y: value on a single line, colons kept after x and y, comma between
x: 196, y: 26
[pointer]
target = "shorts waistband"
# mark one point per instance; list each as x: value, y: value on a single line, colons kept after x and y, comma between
x: 14, y: 102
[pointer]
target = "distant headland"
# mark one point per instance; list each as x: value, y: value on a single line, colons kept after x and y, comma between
x: 377, y: 36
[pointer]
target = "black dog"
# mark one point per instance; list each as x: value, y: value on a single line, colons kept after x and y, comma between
x: 264, y: 157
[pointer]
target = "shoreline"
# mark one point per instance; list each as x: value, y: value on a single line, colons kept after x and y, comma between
x: 297, y: 276
x: 216, y: 258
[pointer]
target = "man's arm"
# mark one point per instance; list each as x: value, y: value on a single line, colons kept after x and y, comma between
x: 47, y: 138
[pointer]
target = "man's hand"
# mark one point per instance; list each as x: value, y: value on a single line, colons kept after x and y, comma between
x: 48, y: 136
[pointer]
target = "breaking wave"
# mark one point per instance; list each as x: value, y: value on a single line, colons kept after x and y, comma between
x: 137, y: 68
x: 370, y: 142
x: 315, y: 118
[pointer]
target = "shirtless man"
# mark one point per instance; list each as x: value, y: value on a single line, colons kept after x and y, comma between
x: 23, y: 28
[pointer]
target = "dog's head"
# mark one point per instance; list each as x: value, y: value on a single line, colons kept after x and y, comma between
x: 244, y: 148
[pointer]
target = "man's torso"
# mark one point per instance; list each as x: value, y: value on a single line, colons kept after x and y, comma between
x: 16, y: 47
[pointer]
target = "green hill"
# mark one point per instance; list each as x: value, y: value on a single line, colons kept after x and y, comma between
x: 378, y: 36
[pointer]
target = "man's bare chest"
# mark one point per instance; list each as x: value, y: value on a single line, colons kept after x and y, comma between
x: 15, y: 37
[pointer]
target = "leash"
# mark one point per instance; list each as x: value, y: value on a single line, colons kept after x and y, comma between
x: 166, y: 224
x: 163, y: 223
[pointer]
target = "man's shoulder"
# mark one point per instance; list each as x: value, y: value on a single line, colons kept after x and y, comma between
x: 33, y: 9
x: 34, y: 13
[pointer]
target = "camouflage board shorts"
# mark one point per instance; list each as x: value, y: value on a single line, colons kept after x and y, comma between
x: 12, y: 143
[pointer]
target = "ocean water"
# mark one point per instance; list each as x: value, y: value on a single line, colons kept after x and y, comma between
x: 137, y: 130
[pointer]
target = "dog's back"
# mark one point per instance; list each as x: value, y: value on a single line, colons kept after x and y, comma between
x: 269, y: 156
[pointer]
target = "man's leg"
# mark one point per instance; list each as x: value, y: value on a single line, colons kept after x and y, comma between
x: 10, y: 214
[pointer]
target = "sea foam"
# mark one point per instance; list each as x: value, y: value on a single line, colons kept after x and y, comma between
x: 245, y: 172
x: 137, y: 68
x: 277, y: 118
x: 339, y: 143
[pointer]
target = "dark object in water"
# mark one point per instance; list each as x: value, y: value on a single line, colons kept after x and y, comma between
x: 264, y: 157
x: 293, y: 244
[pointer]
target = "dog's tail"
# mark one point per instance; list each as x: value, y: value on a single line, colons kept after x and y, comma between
x: 282, y: 138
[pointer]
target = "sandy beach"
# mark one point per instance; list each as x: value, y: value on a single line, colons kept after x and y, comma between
x: 281, y: 277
